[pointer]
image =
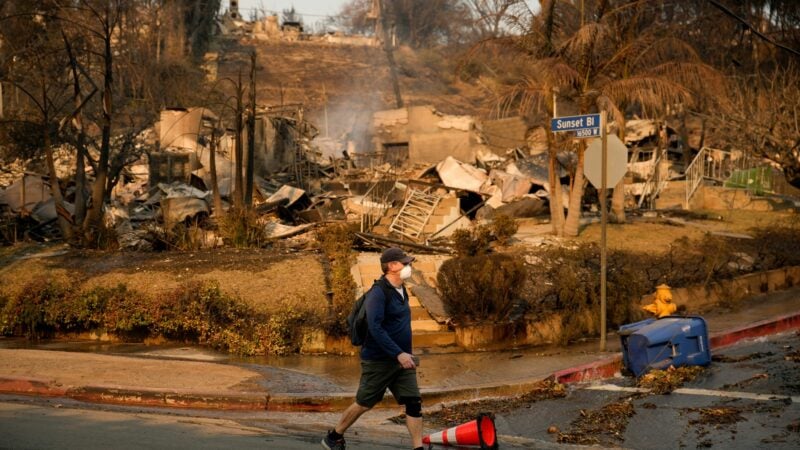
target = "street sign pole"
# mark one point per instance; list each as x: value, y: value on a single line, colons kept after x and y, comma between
x: 603, y: 223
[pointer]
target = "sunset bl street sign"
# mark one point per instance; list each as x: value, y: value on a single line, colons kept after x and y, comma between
x: 585, y: 126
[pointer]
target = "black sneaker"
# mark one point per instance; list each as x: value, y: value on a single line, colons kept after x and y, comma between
x: 333, y: 444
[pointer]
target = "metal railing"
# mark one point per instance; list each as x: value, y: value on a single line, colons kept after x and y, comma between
x: 759, y: 181
x: 653, y: 185
x: 715, y: 165
x: 694, y: 176
x: 374, y: 204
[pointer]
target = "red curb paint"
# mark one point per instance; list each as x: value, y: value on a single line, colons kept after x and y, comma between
x: 168, y: 399
x: 597, y: 370
x: 30, y: 387
x: 758, y: 329
x: 257, y: 403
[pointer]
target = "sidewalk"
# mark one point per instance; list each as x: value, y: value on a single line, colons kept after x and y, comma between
x: 319, y: 383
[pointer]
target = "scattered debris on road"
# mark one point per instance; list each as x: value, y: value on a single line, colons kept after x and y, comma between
x: 605, y: 426
x: 666, y: 381
x: 457, y: 413
x: 740, y: 358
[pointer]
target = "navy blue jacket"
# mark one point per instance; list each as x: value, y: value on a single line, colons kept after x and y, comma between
x: 389, y: 322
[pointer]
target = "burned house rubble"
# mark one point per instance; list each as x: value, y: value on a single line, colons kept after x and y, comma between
x: 415, y: 177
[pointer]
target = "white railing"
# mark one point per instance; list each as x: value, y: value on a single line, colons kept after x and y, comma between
x: 694, y: 176
x: 713, y: 164
x: 374, y: 204
x: 653, y: 185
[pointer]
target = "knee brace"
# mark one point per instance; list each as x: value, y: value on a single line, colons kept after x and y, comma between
x: 413, y: 406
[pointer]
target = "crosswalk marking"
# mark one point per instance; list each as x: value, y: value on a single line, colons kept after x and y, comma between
x: 702, y: 392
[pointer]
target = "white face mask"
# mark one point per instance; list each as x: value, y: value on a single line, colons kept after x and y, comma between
x: 405, y: 273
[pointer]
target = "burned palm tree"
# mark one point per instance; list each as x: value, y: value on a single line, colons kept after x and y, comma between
x: 603, y: 56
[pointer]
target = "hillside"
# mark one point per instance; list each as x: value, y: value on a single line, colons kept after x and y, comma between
x: 355, y: 80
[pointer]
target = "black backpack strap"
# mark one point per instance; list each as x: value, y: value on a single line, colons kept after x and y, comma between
x: 387, y: 291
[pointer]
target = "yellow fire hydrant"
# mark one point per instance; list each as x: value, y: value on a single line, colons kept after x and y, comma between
x: 662, y: 306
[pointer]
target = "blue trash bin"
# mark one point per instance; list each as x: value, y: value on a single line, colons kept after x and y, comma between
x: 660, y: 343
x: 625, y: 332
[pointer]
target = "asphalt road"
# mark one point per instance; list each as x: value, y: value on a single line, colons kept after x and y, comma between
x: 37, y: 423
x: 748, y: 398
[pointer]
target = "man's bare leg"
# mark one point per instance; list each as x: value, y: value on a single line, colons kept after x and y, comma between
x: 350, y: 415
x: 414, y: 425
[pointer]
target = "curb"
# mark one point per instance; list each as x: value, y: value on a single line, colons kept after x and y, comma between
x: 758, y: 329
x: 598, y: 370
x: 31, y: 386
x: 612, y: 366
x: 326, y: 402
x: 193, y: 400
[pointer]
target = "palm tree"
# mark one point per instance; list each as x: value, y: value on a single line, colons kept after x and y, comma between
x: 601, y: 56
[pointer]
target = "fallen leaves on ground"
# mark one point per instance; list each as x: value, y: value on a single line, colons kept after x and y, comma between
x: 605, y: 426
x: 793, y: 356
x: 717, y: 416
x: 740, y: 358
x: 746, y: 382
x: 666, y: 381
x: 458, y: 413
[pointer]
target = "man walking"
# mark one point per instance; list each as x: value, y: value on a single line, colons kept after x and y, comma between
x: 386, y: 359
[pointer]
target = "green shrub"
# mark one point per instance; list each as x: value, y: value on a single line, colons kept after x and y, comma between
x: 202, y: 313
x: 85, y: 311
x: 282, y: 333
x: 31, y: 313
x: 194, y: 312
x: 129, y: 313
x: 5, y: 315
x: 480, y: 288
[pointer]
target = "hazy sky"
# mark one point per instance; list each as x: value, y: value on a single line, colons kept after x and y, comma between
x: 311, y: 10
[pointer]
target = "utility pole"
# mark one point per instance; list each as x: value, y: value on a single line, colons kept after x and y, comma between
x: 238, y: 182
x: 603, y: 226
x: 251, y: 134
x: 388, y: 48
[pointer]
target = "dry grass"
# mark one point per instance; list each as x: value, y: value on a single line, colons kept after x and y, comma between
x: 270, y: 283
x: 14, y: 277
x: 656, y: 236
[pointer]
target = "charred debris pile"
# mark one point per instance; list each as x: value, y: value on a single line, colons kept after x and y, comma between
x: 405, y: 183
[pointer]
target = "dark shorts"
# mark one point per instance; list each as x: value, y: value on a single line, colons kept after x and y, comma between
x: 376, y: 376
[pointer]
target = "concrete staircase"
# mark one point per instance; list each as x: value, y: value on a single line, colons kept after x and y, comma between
x: 428, y: 334
x: 447, y: 210
x: 708, y: 196
x: 673, y: 196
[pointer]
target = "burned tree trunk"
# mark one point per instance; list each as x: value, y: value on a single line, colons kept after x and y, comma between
x: 94, y: 218
x: 63, y: 215
x: 556, y: 207
x: 572, y: 224
x: 251, y: 134
x: 214, y: 183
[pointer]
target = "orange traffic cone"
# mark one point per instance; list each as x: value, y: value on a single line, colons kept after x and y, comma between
x: 479, y: 432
